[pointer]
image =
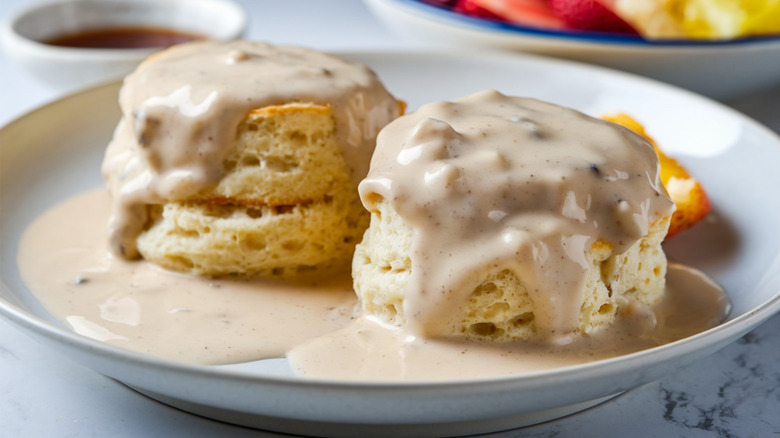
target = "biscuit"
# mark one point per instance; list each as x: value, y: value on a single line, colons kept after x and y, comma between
x: 243, y: 158
x: 287, y: 203
x: 500, y: 308
x: 502, y: 218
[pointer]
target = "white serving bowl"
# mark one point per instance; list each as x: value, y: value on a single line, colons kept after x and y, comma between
x: 717, y: 69
x: 24, y: 33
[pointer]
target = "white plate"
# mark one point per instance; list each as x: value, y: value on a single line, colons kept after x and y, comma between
x: 718, y: 69
x: 54, y: 152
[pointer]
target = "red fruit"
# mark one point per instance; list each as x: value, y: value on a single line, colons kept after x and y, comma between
x: 536, y: 13
x: 440, y: 3
x: 589, y: 15
x: 473, y: 9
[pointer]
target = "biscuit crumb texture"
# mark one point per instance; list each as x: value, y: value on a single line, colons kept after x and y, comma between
x: 287, y: 204
x: 500, y: 309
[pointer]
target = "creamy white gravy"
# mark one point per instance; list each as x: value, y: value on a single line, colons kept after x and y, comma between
x: 492, y: 182
x: 64, y: 260
x: 180, y: 110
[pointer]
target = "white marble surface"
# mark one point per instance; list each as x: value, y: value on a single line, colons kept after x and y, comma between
x: 733, y: 393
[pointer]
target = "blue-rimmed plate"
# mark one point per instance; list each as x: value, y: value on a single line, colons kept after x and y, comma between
x: 718, y: 69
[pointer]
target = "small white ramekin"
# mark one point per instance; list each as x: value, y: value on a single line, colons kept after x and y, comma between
x: 24, y: 33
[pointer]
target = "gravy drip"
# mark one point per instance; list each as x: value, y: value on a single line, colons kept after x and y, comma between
x: 492, y: 182
x: 368, y: 351
x: 64, y: 260
x: 181, y: 108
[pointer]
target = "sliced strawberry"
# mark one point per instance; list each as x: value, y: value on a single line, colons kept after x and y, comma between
x: 536, y: 13
x: 447, y: 4
x: 589, y: 15
x: 473, y: 9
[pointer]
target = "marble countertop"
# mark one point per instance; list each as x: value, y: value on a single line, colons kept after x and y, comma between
x: 733, y: 393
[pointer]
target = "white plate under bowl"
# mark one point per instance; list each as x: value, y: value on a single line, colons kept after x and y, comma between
x: 55, y: 152
x: 718, y: 69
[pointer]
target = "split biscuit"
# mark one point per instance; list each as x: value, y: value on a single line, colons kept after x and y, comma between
x: 287, y: 203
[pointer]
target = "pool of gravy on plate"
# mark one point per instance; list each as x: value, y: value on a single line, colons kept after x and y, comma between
x: 68, y: 258
x: 65, y: 261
